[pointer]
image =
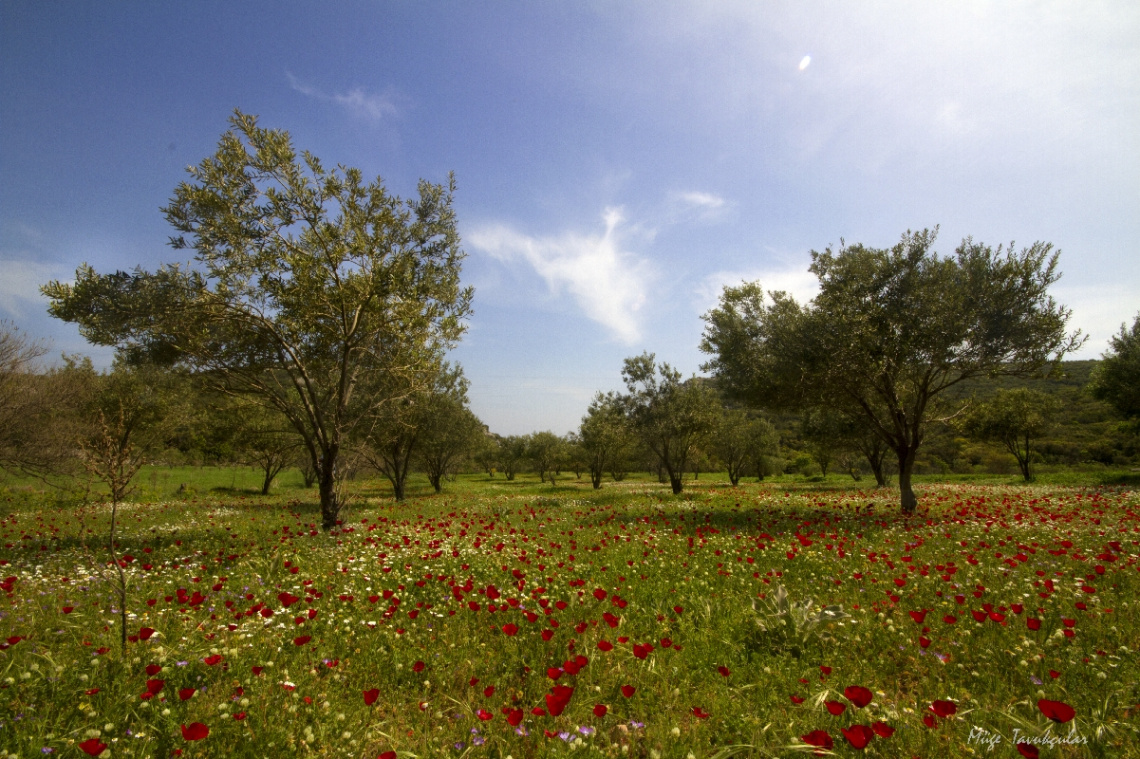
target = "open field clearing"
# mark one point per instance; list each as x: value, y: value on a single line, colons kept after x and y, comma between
x: 522, y: 621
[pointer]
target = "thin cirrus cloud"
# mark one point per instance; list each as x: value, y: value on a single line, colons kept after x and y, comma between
x: 356, y: 101
x: 608, y: 283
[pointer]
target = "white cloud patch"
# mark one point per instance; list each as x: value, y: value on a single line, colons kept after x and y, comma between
x: 801, y: 284
x: 609, y: 284
x: 357, y: 101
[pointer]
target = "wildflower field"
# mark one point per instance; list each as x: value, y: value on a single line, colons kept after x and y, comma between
x: 506, y: 619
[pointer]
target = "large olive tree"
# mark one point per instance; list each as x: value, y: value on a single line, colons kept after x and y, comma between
x: 890, y: 330
x: 321, y: 295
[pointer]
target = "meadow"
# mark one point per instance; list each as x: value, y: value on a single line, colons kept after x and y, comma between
x: 518, y: 619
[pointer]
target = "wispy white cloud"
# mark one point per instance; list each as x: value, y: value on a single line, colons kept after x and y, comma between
x: 608, y: 283
x: 696, y: 206
x: 357, y: 101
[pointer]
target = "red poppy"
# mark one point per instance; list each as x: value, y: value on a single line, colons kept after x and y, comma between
x: 818, y: 738
x: 185, y: 694
x: 724, y: 671
x: 944, y: 709
x: 68, y: 609
x: 1054, y: 674
x: 256, y: 670
x: 145, y: 633
x: 370, y: 696
x: 883, y: 730
x: 302, y: 640
x: 605, y: 645
x: 153, y: 669
x: 1058, y: 711
x: 510, y: 629
x: 287, y: 599
x: 196, y: 731
x: 858, y: 695
x: 557, y: 700
x: 929, y: 721
x: 93, y: 747
x: 418, y: 666
x: 154, y: 686
x: 628, y: 691
x: 1028, y: 750
x: 918, y: 616
x: 600, y: 594
x: 825, y: 669
x: 484, y: 715
x: 239, y: 716
x: 600, y: 710
x: 1033, y: 623
x: 797, y: 699
x: 212, y: 660
x: 514, y: 717
x: 553, y: 673
x: 835, y: 707
x: 858, y: 735
x: 610, y: 619
x: 387, y: 755
x: 700, y: 713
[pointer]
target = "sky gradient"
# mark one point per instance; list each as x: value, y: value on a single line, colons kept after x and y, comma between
x: 617, y: 163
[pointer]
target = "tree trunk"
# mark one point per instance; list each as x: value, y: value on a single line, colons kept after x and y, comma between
x: 908, y: 500
x: 326, y: 484
x: 1025, y: 462
x: 436, y: 481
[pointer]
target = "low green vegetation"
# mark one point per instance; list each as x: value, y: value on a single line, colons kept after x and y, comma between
x: 520, y: 618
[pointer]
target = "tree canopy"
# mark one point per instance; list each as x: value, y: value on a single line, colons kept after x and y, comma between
x: 1013, y: 419
x: 889, y: 332
x: 320, y: 295
x: 671, y: 417
x: 1117, y: 379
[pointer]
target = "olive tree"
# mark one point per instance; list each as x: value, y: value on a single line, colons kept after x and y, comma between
x: 1117, y: 378
x: 673, y: 418
x: 320, y: 295
x: 890, y: 331
x: 1012, y: 419
x: 605, y: 436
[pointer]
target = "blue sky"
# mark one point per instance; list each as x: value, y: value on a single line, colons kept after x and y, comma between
x: 618, y: 162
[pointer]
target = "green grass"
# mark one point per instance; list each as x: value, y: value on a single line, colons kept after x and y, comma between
x: 712, y: 552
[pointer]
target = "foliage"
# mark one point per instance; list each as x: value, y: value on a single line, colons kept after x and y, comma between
x: 39, y: 408
x: 1012, y: 418
x: 890, y: 331
x: 323, y: 297
x: 543, y: 450
x: 784, y: 626
x: 1117, y: 379
x: 606, y: 437
x: 449, y: 432
x: 671, y: 417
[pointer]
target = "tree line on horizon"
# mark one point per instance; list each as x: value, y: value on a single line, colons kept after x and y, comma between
x: 311, y: 330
